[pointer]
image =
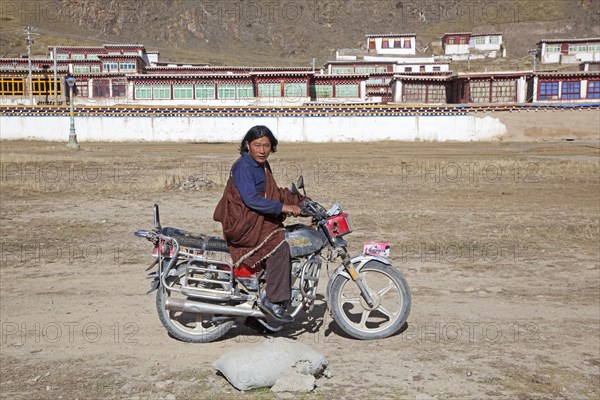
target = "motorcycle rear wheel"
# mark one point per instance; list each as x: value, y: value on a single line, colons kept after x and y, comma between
x: 189, y: 327
x: 390, y: 293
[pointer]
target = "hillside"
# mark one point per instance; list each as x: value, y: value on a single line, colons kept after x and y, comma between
x: 267, y: 32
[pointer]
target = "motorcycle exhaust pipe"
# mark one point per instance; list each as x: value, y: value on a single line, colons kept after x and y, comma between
x: 195, y: 307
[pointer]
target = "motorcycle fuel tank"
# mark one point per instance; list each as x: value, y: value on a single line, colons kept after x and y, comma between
x: 304, y: 240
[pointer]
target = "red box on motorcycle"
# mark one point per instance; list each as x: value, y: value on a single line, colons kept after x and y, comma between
x: 339, y: 225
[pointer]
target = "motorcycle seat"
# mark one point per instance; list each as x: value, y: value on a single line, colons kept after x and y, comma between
x: 195, y: 240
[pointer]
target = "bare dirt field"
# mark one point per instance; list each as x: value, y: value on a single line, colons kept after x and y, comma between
x: 498, y: 241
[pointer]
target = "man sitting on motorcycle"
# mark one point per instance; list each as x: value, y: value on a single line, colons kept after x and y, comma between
x: 252, y: 211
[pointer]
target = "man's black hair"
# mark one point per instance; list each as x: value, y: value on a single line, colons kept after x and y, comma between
x: 256, y: 132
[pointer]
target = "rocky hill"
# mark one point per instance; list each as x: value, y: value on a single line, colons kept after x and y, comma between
x: 268, y: 32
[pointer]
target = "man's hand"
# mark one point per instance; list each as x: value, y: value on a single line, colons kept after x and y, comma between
x: 291, y: 209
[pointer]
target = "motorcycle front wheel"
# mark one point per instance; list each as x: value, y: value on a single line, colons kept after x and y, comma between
x: 189, y: 327
x: 391, y: 297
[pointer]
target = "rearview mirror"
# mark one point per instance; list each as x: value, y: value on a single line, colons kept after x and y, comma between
x: 294, y: 189
x: 300, y: 182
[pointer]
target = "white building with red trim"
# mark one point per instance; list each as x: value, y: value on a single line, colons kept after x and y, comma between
x: 398, y: 44
x: 568, y: 51
x: 466, y: 45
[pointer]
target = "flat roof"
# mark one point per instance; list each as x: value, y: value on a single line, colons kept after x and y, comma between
x: 390, y: 35
x: 574, y: 40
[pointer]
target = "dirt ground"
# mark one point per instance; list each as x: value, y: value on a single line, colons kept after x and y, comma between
x: 498, y: 241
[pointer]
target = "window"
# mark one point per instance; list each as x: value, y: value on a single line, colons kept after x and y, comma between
x: 269, y: 90
x: 143, y: 91
x: 494, y: 39
x: 81, y: 69
x: 451, y: 39
x: 77, y: 56
x: 480, y: 91
x: 437, y: 69
x: 480, y: 40
x: 42, y: 85
x: 414, y: 92
x: 407, y: 44
x: 504, y: 91
x: 407, y: 69
x: 226, y: 91
x: 323, y: 91
x: 183, y: 91
x: 205, y: 91
x: 346, y: 90
x: 244, y: 91
x: 424, y: 93
x: 365, y: 70
x: 119, y: 88
x: 82, y: 88
x: 12, y: 86
x: 421, y: 68
x: 110, y: 67
x: 161, y: 92
x: 342, y: 70
x: 577, y: 48
x: 95, y: 69
x: 93, y: 57
x: 463, y: 40
x: 555, y: 48
x: 371, y: 44
x: 548, y: 90
x: 128, y: 66
x: 294, y: 89
x: 593, y: 91
x: 571, y: 90
x: 380, y: 69
x: 62, y: 56
x: 436, y: 93
x: 101, y: 88
x: 385, y: 43
x: 398, y: 43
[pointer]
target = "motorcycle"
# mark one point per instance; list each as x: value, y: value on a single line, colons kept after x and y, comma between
x: 200, y: 294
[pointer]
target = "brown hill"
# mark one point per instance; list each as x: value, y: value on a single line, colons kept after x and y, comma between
x: 267, y: 32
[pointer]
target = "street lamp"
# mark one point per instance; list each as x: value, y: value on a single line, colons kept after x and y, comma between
x: 72, y: 135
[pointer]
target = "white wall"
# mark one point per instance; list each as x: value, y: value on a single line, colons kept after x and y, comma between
x: 450, y: 49
x: 399, y: 68
x: 395, y: 50
x: 293, y: 129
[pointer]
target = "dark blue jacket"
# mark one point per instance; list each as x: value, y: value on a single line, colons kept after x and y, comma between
x: 249, y: 179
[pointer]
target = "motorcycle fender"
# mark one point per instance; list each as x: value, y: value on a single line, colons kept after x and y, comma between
x: 359, y: 262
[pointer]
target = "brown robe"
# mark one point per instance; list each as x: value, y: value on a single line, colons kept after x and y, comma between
x: 252, y: 236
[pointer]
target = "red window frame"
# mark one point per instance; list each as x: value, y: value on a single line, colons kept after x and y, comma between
x: 119, y: 88
x: 82, y: 88
x: 593, y: 88
x: 570, y: 90
x: 101, y: 88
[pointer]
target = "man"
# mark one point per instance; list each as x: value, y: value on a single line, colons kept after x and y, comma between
x: 251, y: 212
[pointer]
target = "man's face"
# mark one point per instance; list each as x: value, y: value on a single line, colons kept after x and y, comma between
x: 259, y: 149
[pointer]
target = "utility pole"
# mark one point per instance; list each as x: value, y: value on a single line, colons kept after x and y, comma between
x: 534, y: 56
x: 30, y: 83
x: 55, y: 77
